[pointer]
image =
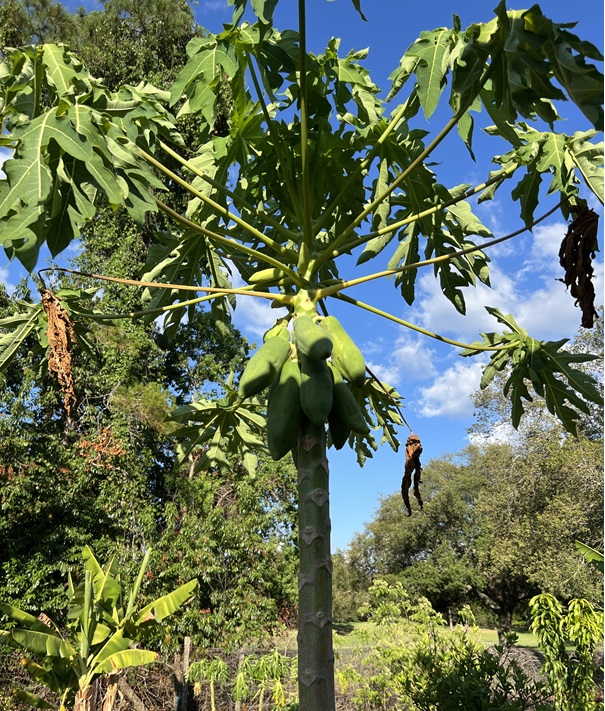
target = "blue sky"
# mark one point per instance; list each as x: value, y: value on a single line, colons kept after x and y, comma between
x: 433, y: 379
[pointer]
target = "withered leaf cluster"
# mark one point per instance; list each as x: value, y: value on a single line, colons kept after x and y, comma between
x: 60, y: 336
x: 575, y: 256
x: 413, y: 450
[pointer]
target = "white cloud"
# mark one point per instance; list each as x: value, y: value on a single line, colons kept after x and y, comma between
x: 254, y: 316
x: 449, y: 394
x: 437, y: 314
x: 491, y: 214
x: 544, y: 249
x: 533, y: 294
x: 4, y: 280
x: 501, y: 433
x: 409, y: 360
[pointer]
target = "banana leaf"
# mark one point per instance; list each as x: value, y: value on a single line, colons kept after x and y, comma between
x: 167, y: 604
x: 126, y: 658
x: 47, y: 643
x: 23, y: 618
x: 32, y: 699
x: 592, y: 556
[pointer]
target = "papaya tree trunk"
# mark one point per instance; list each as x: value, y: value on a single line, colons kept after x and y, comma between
x: 315, y: 653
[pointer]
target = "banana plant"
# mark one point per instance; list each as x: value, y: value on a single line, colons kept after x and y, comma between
x: 303, y: 171
x: 104, y: 624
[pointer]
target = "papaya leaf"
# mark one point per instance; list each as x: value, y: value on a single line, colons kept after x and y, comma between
x: 588, y: 158
x: 21, y: 325
x: 219, y: 430
x: 433, y: 52
x: 543, y: 365
x: 357, y: 6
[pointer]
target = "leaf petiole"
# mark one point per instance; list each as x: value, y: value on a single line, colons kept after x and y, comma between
x: 333, y: 290
x: 419, y: 329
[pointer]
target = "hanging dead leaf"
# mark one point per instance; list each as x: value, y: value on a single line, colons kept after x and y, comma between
x: 413, y: 450
x: 60, y: 336
x: 575, y: 256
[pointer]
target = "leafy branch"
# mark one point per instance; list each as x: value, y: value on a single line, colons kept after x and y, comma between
x: 393, y: 226
x: 542, y: 364
x: 334, y: 289
x: 260, y: 256
x: 417, y: 161
x: 291, y: 256
x: 218, y: 291
x: 280, y: 249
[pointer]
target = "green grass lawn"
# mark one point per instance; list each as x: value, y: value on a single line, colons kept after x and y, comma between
x: 350, y: 635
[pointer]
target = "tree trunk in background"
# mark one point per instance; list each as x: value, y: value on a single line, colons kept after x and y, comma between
x: 505, y: 624
x: 185, y: 669
x: 315, y: 653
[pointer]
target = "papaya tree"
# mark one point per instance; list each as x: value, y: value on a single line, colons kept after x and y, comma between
x: 301, y: 166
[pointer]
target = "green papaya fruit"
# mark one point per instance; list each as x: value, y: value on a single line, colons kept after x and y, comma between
x: 263, y: 367
x: 346, y: 356
x: 345, y: 407
x: 284, y: 411
x: 315, y: 389
x: 311, y: 340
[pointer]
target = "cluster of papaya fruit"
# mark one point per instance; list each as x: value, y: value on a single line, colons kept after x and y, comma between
x: 307, y: 378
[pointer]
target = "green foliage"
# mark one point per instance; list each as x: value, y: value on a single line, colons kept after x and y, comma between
x: 566, y: 390
x: 388, y: 603
x: 258, y: 679
x: 591, y: 555
x: 495, y: 524
x: 291, y: 154
x: 492, y: 407
x: 516, y: 66
x: 104, y: 621
x: 570, y: 672
x: 417, y: 664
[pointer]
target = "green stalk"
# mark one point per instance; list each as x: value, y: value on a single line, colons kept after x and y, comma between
x: 425, y: 213
x: 306, y: 247
x: 276, y: 143
x: 281, y: 250
x: 237, y: 199
x: 336, y: 288
x: 225, y: 241
x: 419, y: 329
x: 146, y: 312
x: 315, y: 653
x: 243, y: 291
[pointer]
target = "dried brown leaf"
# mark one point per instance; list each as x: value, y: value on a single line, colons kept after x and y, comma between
x: 575, y: 256
x: 60, y: 336
x: 413, y: 450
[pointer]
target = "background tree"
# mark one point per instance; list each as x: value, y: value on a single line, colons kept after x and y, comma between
x: 303, y: 183
x: 110, y: 476
x: 499, y: 526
